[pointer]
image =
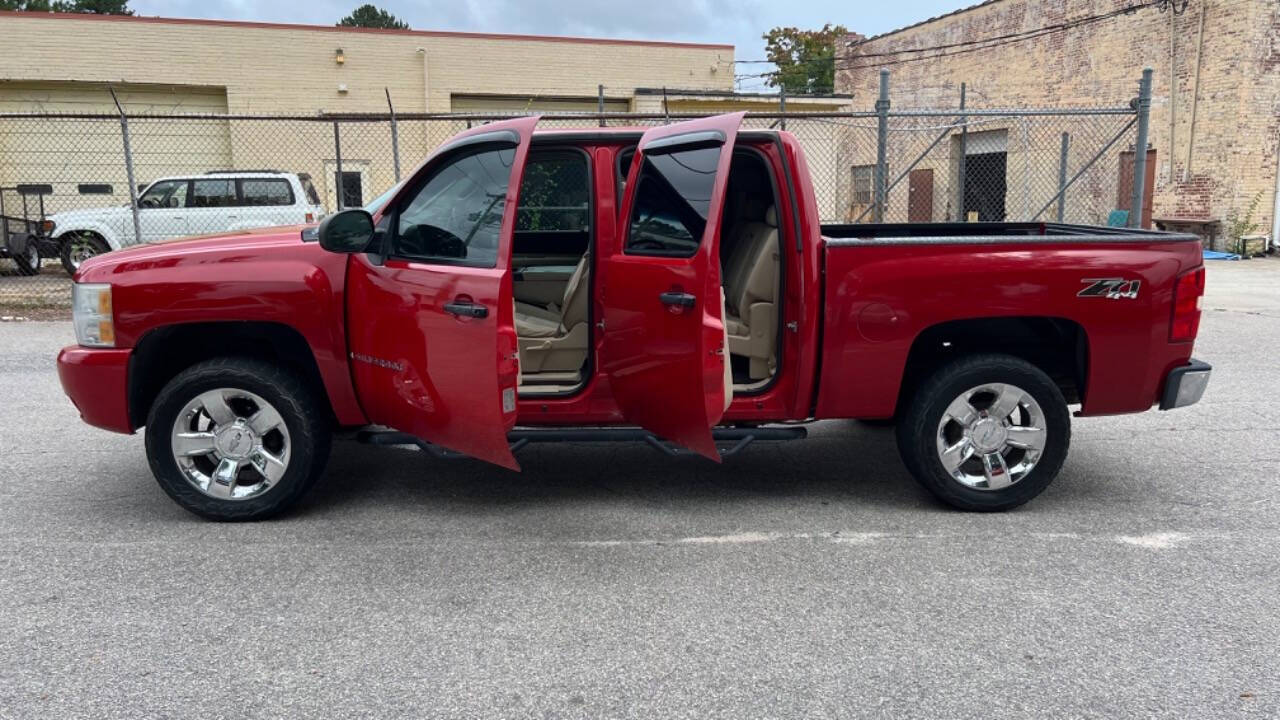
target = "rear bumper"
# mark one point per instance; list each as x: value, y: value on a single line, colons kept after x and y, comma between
x: 97, y: 381
x: 1185, y: 385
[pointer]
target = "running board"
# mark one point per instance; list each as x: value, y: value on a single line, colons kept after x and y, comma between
x: 737, y: 438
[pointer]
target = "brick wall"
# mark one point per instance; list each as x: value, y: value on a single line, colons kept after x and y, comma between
x: 1233, y: 153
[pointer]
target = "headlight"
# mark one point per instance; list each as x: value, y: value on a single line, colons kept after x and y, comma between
x: 92, y: 316
x: 47, y: 227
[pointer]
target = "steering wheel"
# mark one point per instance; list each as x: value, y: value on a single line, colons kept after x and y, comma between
x: 645, y: 243
x: 433, y: 241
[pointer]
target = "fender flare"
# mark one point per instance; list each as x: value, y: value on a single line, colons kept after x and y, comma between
x: 101, y: 230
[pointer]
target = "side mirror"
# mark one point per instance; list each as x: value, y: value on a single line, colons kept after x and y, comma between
x: 349, y: 231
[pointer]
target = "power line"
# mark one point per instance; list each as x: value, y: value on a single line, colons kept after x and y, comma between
x: 1021, y: 34
x: 963, y: 46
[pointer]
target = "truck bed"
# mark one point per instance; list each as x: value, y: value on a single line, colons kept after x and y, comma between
x: 990, y: 232
x: 886, y: 285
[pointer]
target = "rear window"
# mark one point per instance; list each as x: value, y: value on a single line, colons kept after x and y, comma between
x: 555, y: 193
x: 212, y: 193
x: 267, y: 191
x: 313, y: 197
x: 672, y: 201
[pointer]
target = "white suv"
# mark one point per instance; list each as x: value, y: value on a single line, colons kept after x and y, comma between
x: 172, y: 207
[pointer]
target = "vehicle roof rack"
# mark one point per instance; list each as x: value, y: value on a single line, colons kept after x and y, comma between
x: 233, y: 172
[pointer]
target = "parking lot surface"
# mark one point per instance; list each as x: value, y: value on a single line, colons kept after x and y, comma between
x: 805, y: 579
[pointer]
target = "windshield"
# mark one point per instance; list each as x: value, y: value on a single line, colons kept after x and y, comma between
x: 164, y: 193
x: 376, y: 204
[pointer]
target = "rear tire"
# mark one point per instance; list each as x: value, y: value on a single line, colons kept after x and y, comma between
x: 29, y: 261
x: 78, y: 247
x: 237, y: 439
x: 985, y: 433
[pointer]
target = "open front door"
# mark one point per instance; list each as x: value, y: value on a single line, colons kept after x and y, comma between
x: 431, y: 324
x: 665, y: 347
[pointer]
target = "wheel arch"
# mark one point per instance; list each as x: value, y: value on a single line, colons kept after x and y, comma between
x: 1058, y: 346
x: 103, y: 232
x: 163, y: 352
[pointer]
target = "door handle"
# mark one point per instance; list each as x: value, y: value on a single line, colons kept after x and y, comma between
x: 466, y: 309
x: 672, y: 298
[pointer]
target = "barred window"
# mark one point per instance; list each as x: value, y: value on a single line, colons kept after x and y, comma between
x: 863, y: 176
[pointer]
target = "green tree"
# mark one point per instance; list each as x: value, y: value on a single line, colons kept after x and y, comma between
x: 27, y: 5
x: 806, y: 59
x: 370, y: 16
x: 92, y: 7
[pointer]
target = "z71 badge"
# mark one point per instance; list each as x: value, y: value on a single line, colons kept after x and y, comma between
x: 1111, y: 288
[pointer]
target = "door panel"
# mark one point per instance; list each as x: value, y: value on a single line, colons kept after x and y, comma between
x: 544, y: 285
x: 432, y: 330
x: 920, y: 196
x: 1124, y: 188
x: 158, y: 224
x: 163, y: 211
x: 664, y: 341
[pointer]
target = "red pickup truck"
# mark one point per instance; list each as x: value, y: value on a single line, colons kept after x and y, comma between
x: 670, y: 285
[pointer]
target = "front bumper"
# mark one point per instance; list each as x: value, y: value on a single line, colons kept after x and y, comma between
x: 1185, y: 385
x: 97, y: 381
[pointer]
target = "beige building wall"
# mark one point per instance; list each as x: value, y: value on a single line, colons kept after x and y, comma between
x: 267, y: 68
x: 166, y: 66
x: 1230, y: 83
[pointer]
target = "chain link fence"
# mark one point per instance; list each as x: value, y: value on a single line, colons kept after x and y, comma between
x: 70, y: 182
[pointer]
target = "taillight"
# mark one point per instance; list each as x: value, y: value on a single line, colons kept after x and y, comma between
x: 311, y: 217
x: 1186, y: 306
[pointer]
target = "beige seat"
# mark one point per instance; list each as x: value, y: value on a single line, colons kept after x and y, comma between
x: 555, y: 339
x: 751, y: 293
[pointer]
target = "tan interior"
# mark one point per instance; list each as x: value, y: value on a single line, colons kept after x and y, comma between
x: 751, y: 274
x: 553, y: 339
x: 552, y: 304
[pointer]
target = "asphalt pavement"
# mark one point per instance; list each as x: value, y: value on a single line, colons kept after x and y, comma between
x: 809, y: 579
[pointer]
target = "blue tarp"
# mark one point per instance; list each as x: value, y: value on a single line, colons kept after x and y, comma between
x: 1215, y: 255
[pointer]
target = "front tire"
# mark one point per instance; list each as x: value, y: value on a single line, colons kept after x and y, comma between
x: 78, y: 247
x: 237, y: 439
x: 986, y: 433
x: 29, y: 261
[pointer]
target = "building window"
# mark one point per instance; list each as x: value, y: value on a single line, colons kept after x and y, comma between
x: 863, y: 175
x: 351, y: 187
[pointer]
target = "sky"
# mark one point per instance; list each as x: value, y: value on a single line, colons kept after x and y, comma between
x: 735, y: 22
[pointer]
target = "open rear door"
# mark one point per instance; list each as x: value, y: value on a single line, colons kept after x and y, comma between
x: 665, y: 346
x: 431, y: 325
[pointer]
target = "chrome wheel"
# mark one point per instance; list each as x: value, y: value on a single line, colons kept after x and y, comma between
x: 81, y: 249
x: 991, y: 436
x: 230, y: 444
